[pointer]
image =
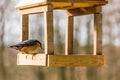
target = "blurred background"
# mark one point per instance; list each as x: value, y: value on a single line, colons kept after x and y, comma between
x: 83, y: 43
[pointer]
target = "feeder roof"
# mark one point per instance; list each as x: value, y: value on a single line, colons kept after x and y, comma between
x: 60, y: 3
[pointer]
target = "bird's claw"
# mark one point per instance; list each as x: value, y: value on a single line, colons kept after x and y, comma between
x: 26, y: 57
x: 33, y: 55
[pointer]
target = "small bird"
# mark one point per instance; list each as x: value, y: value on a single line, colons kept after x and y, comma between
x: 29, y: 47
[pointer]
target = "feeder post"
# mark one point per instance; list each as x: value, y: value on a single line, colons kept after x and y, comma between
x: 98, y: 33
x: 49, y: 35
x: 69, y: 35
x: 24, y: 27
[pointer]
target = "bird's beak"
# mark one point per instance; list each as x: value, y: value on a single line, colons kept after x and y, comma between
x: 14, y: 47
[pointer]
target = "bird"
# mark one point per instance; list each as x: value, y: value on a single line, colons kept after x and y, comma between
x: 29, y: 47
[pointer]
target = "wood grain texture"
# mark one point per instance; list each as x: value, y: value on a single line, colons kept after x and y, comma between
x: 83, y: 11
x: 34, y: 10
x: 90, y: 1
x: 69, y: 36
x: 49, y: 35
x: 38, y: 60
x: 75, y: 60
x: 60, y: 60
x: 61, y: 3
x: 24, y: 27
x: 73, y: 5
x: 59, y: 0
x: 97, y: 34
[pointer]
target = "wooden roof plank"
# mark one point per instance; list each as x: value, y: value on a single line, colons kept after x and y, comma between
x: 81, y: 3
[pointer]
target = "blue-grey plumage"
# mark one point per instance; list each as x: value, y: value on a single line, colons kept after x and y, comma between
x: 29, y: 46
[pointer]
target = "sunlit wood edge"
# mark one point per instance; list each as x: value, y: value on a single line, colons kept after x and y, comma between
x: 62, y: 5
x: 28, y: 59
x: 60, y: 60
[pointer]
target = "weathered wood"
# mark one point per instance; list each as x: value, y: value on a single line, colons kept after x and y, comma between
x: 49, y: 35
x: 34, y: 10
x: 69, y: 36
x: 75, y: 60
x: 84, y: 4
x: 97, y: 34
x: 60, y: 60
x: 88, y: 0
x: 73, y: 5
x: 83, y: 11
x: 24, y: 27
x: 25, y: 59
x: 61, y: 4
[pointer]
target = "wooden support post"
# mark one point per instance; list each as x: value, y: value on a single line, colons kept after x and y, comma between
x: 24, y: 27
x: 69, y: 36
x: 49, y: 36
x: 97, y: 34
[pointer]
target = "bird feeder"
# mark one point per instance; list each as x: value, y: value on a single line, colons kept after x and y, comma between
x: 73, y: 8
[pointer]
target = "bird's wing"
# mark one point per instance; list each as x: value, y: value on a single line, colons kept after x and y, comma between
x: 27, y: 43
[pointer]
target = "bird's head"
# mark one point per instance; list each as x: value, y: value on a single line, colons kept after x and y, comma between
x: 38, y: 43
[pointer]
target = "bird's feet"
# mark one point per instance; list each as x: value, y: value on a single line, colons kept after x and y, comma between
x: 27, y: 56
x: 33, y: 55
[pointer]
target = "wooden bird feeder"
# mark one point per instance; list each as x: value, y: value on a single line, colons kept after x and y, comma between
x: 73, y: 8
